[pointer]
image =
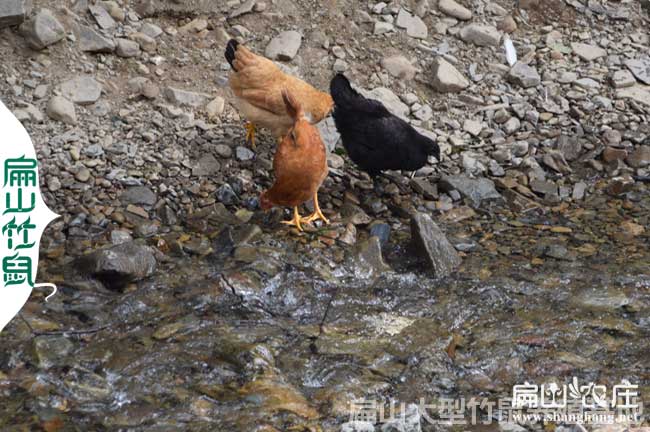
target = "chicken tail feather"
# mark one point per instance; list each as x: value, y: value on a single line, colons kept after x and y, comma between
x: 293, y: 107
x: 342, y: 92
x: 231, y: 49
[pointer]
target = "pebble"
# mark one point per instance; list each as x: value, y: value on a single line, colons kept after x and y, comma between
x: 415, y: 27
x: 127, y: 48
x: 524, y: 75
x: 244, y: 153
x: 588, y: 52
x: 446, y: 78
x: 480, y: 35
x: 454, y: 9
x: 285, y: 46
x: 61, y: 109
x: 82, y: 90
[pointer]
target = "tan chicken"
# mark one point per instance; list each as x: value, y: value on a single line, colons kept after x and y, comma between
x: 300, y: 165
x: 258, y: 83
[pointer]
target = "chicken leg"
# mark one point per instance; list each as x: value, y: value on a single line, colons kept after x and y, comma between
x: 295, y: 221
x: 318, y: 214
x: 250, y: 133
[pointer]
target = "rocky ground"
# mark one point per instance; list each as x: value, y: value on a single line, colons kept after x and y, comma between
x: 544, y: 172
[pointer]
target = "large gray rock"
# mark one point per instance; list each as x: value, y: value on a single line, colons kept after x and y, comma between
x: 640, y: 68
x: 186, y: 98
x: 588, y: 52
x: 91, y: 41
x: 390, y: 100
x: 523, y: 75
x: 284, y: 46
x: 432, y: 244
x: 446, y: 78
x: 61, y: 109
x: 119, y: 265
x: 103, y: 18
x: 14, y: 12
x: 475, y: 190
x: 480, y: 34
x: 82, y: 90
x: 415, y: 27
x: 42, y: 30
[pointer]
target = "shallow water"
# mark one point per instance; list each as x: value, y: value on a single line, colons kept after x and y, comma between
x: 281, y: 334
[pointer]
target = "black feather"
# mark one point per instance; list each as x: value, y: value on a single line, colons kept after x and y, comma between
x: 375, y: 139
x: 231, y: 49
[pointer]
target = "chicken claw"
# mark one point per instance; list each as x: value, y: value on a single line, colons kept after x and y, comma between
x: 318, y: 214
x: 295, y: 221
x: 250, y: 133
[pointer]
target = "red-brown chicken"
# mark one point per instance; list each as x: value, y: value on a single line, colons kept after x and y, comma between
x: 300, y: 165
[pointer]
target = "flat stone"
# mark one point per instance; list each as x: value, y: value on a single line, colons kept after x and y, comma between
x: 151, y: 30
x: 390, y: 100
x: 102, y: 17
x: 82, y: 90
x: 127, y: 48
x: 433, y: 245
x: 640, y: 68
x: 480, y: 34
x: 637, y: 93
x: 207, y: 165
x: 284, y: 46
x: 415, y: 27
x: 382, y: 27
x: 453, y: 9
x: 477, y: 190
x: 61, y: 109
x: 138, y: 195
x: 622, y: 79
x: 570, y: 146
x: 186, y: 98
x: 243, y: 9
x: 524, y: 76
x: 399, y: 67
x: 91, y: 41
x: 42, y: 30
x: 368, y: 259
x: 14, y: 12
x: 446, y: 78
x: 588, y: 52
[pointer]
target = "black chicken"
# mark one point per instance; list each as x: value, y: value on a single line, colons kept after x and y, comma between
x: 375, y: 139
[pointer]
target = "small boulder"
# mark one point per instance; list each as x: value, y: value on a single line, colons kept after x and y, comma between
x: 82, y: 90
x: 446, y: 78
x: 91, y: 41
x: 14, y: 12
x: 61, y: 109
x: 119, y: 265
x: 480, y: 35
x: 524, y: 76
x: 432, y: 244
x: 399, y: 67
x: 284, y: 46
x: 42, y: 30
x: 455, y: 10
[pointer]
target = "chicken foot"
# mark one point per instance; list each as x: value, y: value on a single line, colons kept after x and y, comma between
x: 250, y: 133
x: 318, y: 214
x: 295, y: 221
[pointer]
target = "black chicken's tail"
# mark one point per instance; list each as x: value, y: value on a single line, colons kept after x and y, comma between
x: 231, y: 49
x: 341, y: 91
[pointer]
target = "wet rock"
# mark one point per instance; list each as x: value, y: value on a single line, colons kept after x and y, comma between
x: 611, y: 154
x: 523, y: 75
x: 405, y: 420
x: 480, y: 35
x: 415, y: 27
x: 380, y: 230
x: 579, y: 191
x: 83, y: 90
x: 453, y: 9
x: 399, y: 67
x: 127, y: 48
x: 588, y: 52
x: 476, y: 191
x: 368, y: 259
x: 138, y: 195
x: 61, y: 109
x: 102, y: 17
x: 284, y: 46
x: 52, y: 350
x: 640, y: 68
x: 14, y: 12
x: 91, y: 41
x: 446, y: 78
x: 119, y: 265
x: 186, y: 98
x: 620, y: 185
x: 354, y: 214
x: 559, y: 252
x: 640, y: 157
x: 120, y: 237
x: 42, y: 30
x: 357, y: 426
x: 432, y: 244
